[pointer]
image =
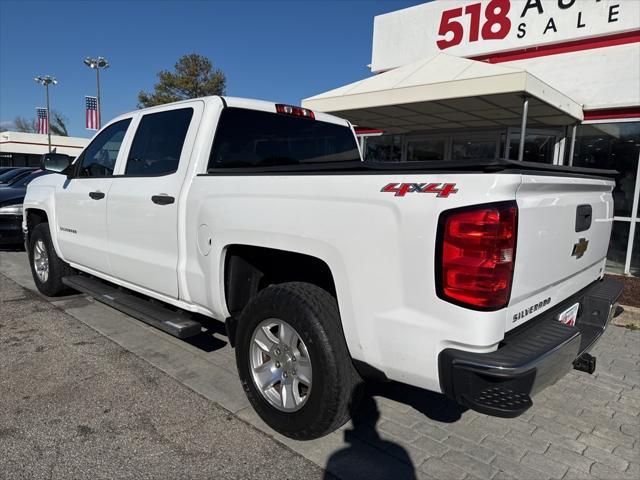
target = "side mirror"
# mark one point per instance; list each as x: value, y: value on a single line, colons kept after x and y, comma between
x: 55, y: 162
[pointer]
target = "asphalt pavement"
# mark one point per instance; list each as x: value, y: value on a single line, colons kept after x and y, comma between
x: 74, y: 404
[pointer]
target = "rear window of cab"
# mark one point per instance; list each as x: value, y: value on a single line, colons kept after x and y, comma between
x: 251, y: 138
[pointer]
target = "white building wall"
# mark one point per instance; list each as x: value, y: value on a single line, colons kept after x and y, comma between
x: 37, y: 144
x: 596, y: 78
x: 599, y: 78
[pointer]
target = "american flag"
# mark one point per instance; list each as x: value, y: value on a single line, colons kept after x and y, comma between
x: 43, y: 120
x: 92, y: 116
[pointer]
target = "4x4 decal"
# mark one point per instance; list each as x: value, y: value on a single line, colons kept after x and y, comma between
x: 440, y: 189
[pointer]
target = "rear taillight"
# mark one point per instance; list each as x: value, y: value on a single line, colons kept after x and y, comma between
x: 476, y: 254
x: 295, y: 111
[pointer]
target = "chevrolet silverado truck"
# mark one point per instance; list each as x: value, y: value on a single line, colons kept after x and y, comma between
x: 481, y: 280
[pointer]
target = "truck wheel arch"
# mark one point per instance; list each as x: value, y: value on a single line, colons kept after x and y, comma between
x: 34, y: 217
x: 249, y: 269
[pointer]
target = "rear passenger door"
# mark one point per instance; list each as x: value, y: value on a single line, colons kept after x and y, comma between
x: 144, y: 200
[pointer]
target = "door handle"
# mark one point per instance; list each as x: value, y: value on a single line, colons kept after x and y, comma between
x: 163, y: 199
x: 96, y: 195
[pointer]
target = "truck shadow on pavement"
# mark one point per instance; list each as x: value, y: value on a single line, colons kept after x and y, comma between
x: 209, y: 340
x: 392, y: 460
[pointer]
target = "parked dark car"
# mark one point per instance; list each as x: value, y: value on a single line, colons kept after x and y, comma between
x: 14, y: 173
x: 6, y: 169
x: 11, y: 198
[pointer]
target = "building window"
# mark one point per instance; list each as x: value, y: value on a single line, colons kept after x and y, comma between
x: 473, y: 149
x: 618, y: 242
x: 635, y: 255
x: 386, y: 148
x: 6, y: 160
x: 425, y: 149
x: 538, y: 147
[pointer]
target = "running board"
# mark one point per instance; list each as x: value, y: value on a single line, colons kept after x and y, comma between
x: 178, y: 324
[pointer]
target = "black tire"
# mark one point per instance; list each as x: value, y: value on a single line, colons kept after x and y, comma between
x: 314, y: 314
x: 53, y: 285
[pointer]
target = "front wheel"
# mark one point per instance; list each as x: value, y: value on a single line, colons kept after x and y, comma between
x: 293, y: 360
x: 46, y: 267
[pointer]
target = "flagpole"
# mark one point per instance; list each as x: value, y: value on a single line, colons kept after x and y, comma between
x: 46, y: 80
x: 99, y: 102
x: 97, y: 63
x: 46, y: 87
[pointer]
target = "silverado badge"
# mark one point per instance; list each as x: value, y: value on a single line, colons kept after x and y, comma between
x: 580, y: 247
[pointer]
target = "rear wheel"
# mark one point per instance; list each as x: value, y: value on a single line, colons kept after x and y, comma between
x: 293, y: 360
x: 46, y: 267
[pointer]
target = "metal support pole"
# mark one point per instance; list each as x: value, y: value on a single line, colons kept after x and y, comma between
x: 573, y: 143
x: 523, y: 128
x: 46, y: 87
x: 99, y: 102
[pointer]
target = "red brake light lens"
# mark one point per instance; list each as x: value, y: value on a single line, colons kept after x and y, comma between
x: 295, y: 111
x: 478, y: 255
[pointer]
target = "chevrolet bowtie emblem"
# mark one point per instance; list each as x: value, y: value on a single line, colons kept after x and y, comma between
x: 580, y: 247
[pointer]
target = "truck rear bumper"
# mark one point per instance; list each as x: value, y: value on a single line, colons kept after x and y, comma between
x: 530, y: 358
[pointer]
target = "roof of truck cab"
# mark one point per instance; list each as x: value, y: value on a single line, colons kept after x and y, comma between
x: 253, y: 104
x: 236, y: 102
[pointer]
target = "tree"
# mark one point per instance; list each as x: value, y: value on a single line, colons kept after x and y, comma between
x: 194, y: 76
x: 57, y: 124
x: 21, y: 124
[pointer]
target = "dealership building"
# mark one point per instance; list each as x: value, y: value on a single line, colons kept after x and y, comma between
x: 551, y: 81
x: 19, y: 149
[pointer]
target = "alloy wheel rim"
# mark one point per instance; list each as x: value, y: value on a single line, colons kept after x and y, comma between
x: 41, y: 261
x: 280, y: 365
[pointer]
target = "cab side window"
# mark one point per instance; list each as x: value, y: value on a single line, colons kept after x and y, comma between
x: 99, y: 159
x: 158, y: 143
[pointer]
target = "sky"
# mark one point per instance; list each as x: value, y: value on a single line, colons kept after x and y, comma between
x: 274, y: 50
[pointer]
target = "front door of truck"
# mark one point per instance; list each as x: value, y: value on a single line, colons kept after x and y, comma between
x: 144, y: 199
x: 81, y: 201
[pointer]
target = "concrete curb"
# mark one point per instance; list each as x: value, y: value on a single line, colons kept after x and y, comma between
x: 630, y: 309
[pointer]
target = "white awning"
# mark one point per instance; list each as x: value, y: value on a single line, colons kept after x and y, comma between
x: 444, y: 92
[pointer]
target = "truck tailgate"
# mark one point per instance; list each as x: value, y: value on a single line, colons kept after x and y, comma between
x: 564, y: 225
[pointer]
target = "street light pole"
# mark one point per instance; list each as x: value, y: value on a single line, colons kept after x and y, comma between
x: 99, y: 102
x: 46, y: 88
x: 47, y: 80
x: 97, y: 63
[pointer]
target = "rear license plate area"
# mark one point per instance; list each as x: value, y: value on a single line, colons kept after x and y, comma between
x: 570, y: 315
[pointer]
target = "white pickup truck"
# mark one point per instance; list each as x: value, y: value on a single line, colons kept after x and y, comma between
x: 480, y: 280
